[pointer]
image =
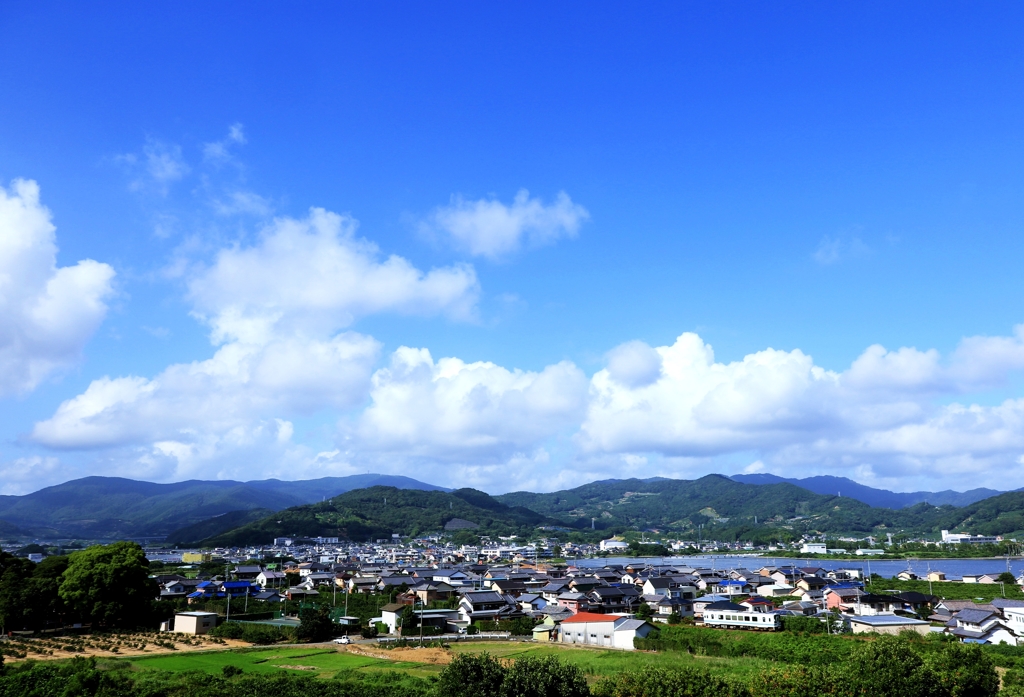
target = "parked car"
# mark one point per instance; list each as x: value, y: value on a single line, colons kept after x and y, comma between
x: 343, y: 640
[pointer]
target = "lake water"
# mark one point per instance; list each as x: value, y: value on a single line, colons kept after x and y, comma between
x: 888, y: 569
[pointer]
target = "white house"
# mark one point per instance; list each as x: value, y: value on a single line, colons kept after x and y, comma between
x: 613, y: 545
x: 612, y: 631
x: 814, y: 548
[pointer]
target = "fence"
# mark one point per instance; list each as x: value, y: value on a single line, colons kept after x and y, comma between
x: 483, y: 636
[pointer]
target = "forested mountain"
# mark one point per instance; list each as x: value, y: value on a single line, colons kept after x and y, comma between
x: 112, y: 507
x: 725, y: 509
x: 711, y: 507
x: 880, y: 498
x: 380, y: 511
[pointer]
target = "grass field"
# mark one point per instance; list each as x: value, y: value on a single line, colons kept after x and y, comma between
x: 328, y: 662
x: 323, y: 663
x: 600, y: 663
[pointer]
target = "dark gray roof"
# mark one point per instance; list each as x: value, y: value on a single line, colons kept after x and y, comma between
x: 974, y: 616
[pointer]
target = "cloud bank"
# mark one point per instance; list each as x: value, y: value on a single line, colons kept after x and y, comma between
x: 281, y: 310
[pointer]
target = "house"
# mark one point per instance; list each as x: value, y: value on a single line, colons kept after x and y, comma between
x: 874, y: 604
x: 195, y: 622
x: 758, y: 604
x: 801, y: 607
x: 246, y: 573
x: 914, y: 601
x: 430, y: 591
x: 936, y: 576
x: 732, y: 587
x: 614, y: 599
x: 702, y: 602
x: 271, y: 579
x: 839, y: 598
x: 884, y: 624
x: 812, y: 583
x: 390, y: 615
x: 271, y: 596
x: 531, y: 602
x: 573, y: 602
x: 552, y: 590
x: 775, y: 590
x: 508, y: 586
x: 982, y: 627
x: 664, y: 608
x: 906, y: 576
x: 487, y: 606
x: 613, y: 631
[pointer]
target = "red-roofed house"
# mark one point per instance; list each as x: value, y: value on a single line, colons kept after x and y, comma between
x: 612, y: 631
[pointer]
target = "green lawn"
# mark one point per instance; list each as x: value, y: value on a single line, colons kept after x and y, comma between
x: 326, y: 662
x: 598, y: 662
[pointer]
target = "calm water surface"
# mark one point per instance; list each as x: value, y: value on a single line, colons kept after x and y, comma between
x: 951, y: 567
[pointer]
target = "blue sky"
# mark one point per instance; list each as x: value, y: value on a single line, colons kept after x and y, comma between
x: 791, y: 184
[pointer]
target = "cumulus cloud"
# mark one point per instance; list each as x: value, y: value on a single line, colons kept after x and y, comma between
x: 47, y: 314
x: 313, y: 276
x: 489, y: 228
x: 240, y: 385
x: 451, y: 410
x: 881, y: 418
x: 278, y: 311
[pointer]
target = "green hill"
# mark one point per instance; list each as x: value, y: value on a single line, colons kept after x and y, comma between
x: 380, y: 511
x: 112, y: 507
x: 725, y: 509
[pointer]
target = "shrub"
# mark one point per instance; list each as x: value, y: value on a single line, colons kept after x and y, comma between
x: 231, y: 671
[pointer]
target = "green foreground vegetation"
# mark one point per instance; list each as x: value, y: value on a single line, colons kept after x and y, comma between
x: 690, y: 662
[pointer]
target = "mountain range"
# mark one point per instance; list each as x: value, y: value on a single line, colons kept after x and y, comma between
x: 112, y: 507
x: 882, y: 498
x: 762, y: 508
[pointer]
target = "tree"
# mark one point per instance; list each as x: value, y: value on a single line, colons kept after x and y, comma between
x: 543, y: 677
x: 660, y: 682
x: 888, y: 667
x: 674, y: 618
x: 407, y: 618
x: 644, y: 612
x: 1006, y: 577
x: 965, y: 671
x: 109, y: 585
x: 315, y: 624
x: 471, y: 675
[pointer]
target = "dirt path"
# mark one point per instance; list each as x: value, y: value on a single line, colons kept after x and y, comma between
x: 431, y: 655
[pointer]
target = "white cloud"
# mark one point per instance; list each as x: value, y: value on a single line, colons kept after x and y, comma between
x: 158, y: 167
x: 450, y: 410
x: 47, y: 314
x: 489, y: 228
x: 634, y: 364
x: 880, y: 417
x: 219, y: 151
x: 314, y: 276
x: 27, y: 474
x: 834, y: 249
x: 241, y: 385
x: 276, y: 309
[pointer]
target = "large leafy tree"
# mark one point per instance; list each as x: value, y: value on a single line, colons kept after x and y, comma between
x: 14, y: 572
x: 471, y: 675
x: 315, y: 624
x: 109, y: 585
